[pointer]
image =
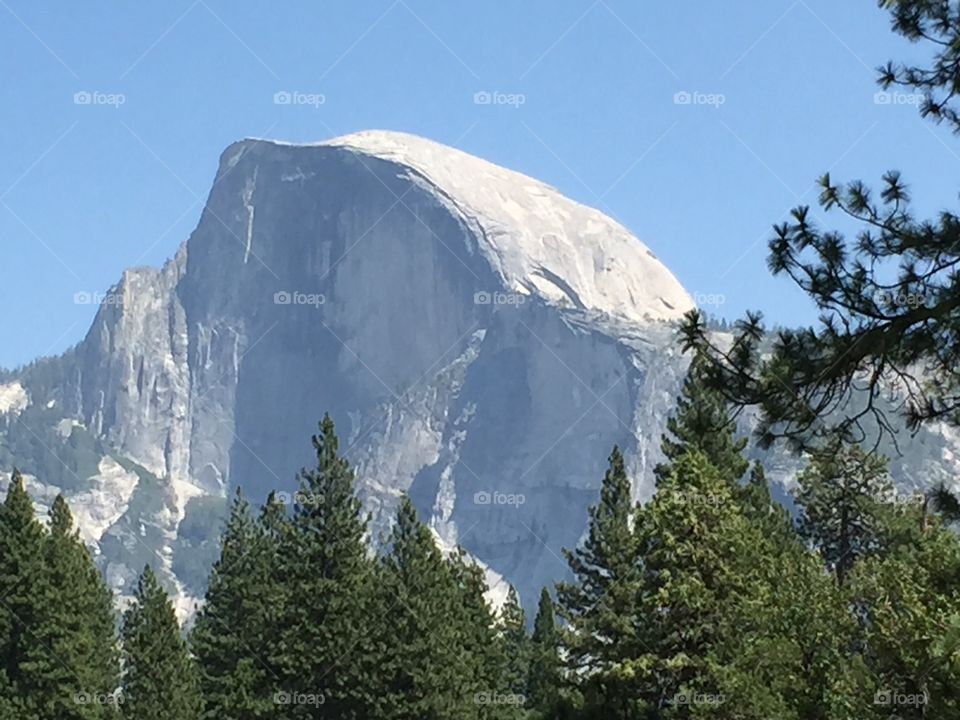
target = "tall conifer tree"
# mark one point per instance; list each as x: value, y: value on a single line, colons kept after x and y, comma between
x: 231, y: 636
x: 516, y: 644
x: 482, y: 654
x: 22, y: 589
x: 841, y: 495
x: 159, y: 676
x: 327, y: 644
x: 423, y: 671
x: 761, y: 509
x: 702, y: 422
x: 543, y: 686
x: 600, y: 607
x: 72, y: 650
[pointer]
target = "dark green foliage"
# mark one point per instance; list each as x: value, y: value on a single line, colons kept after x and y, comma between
x: 702, y: 423
x: 233, y: 638
x: 543, y: 685
x: 71, y: 653
x: 600, y: 607
x: 763, y: 511
x: 942, y: 501
x: 483, y: 657
x: 423, y: 672
x: 936, y: 21
x: 516, y: 644
x: 159, y: 676
x: 731, y: 622
x: 841, y: 496
x: 328, y: 578
x: 57, y: 627
x: 909, y: 610
x: 698, y: 556
x: 705, y: 602
x: 888, y: 298
x: 22, y: 589
x: 441, y: 656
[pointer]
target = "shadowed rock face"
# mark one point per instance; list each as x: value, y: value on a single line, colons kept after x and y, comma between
x: 480, y: 341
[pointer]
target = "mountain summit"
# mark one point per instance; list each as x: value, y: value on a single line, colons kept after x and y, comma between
x: 539, y: 242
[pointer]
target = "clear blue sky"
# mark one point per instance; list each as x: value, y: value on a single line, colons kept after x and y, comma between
x: 89, y: 189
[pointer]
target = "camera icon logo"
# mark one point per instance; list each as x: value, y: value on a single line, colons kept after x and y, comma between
x: 883, y: 697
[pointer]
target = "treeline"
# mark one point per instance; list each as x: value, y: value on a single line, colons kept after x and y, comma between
x: 708, y: 601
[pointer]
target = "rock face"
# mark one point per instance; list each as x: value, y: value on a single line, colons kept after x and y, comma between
x: 480, y: 340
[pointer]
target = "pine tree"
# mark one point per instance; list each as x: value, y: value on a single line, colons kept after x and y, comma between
x: 877, y: 327
x: 543, y: 686
x: 805, y: 630
x: 231, y: 638
x: 483, y: 658
x: 274, y: 527
x: 516, y: 644
x: 600, y: 607
x: 841, y: 495
x: 327, y: 662
x: 71, y: 652
x: 689, y: 576
x: 483, y: 655
x: 159, y: 676
x: 423, y: 671
x: 908, y: 606
x: 22, y: 591
x: 762, y: 510
x: 707, y: 574
x: 702, y: 422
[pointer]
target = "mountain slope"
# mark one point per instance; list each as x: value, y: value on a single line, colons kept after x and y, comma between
x: 481, y: 341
